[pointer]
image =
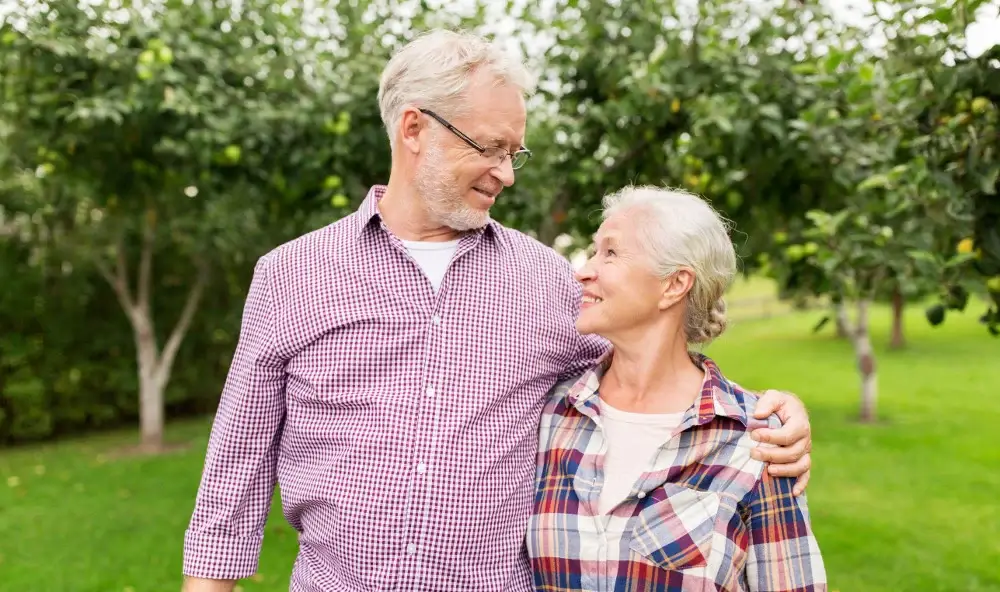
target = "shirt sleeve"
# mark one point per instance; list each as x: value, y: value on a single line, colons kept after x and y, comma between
x: 589, y: 350
x: 224, y: 536
x: 783, y: 554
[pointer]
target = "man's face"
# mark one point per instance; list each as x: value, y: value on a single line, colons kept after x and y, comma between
x: 458, y: 184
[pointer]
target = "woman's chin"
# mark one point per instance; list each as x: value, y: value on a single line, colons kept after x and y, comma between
x: 586, y: 326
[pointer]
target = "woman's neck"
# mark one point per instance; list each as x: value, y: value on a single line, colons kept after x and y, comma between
x: 652, y: 376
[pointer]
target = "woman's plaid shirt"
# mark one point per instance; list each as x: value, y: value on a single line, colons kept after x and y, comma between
x: 706, y: 516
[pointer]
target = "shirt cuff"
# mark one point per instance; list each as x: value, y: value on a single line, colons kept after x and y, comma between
x: 215, y: 557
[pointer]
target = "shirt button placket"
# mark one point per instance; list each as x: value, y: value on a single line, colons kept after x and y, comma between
x: 421, y: 468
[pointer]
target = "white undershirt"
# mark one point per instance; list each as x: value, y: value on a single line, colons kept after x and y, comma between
x: 632, y: 440
x: 432, y: 257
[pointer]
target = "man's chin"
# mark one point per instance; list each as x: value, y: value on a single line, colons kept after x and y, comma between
x: 466, y: 221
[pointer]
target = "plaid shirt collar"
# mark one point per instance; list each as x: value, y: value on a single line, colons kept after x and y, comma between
x: 368, y: 211
x: 717, y: 399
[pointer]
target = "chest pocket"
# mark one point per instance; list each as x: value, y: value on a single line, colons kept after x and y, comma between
x: 675, y: 529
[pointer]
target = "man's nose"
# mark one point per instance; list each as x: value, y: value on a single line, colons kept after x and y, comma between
x: 504, y: 172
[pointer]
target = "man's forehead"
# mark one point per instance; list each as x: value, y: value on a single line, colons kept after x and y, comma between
x: 498, y: 134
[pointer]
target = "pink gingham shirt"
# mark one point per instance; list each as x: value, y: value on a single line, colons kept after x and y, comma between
x: 400, y: 424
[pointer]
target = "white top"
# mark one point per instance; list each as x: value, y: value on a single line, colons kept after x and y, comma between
x: 632, y: 442
x: 432, y: 257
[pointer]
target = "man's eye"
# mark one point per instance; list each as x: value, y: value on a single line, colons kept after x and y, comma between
x: 610, y: 252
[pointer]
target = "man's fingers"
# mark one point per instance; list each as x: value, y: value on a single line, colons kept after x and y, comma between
x: 800, y: 484
x: 782, y: 436
x: 768, y: 403
x: 794, y: 469
x: 782, y: 455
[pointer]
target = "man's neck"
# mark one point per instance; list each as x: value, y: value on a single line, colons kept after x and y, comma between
x: 405, y: 216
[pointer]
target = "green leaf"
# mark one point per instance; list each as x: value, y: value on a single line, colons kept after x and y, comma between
x: 935, y: 314
x: 866, y: 72
x: 833, y: 60
x: 919, y: 255
x: 770, y: 110
x: 878, y: 181
x: 723, y: 123
x: 988, y: 181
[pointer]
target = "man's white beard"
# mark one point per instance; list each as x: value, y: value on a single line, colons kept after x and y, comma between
x: 442, y: 197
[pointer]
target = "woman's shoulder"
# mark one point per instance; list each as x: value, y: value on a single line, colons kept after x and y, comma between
x: 559, y: 394
x: 739, y: 400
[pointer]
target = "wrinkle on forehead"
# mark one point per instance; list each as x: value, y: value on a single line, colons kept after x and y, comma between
x: 496, y: 115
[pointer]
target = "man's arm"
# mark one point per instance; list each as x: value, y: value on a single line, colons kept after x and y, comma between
x: 589, y: 349
x: 203, y: 585
x: 782, y: 552
x: 223, y: 540
x: 793, y: 440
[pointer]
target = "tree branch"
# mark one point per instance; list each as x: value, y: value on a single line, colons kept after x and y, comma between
x: 184, y: 322
x: 118, y: 280
x: 146, y: 259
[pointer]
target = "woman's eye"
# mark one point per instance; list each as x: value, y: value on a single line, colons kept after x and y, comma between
x: 610, y: 252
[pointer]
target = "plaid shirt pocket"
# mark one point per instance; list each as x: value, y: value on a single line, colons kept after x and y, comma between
x: 674, y: 531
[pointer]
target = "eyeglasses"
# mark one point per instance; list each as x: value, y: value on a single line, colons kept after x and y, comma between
x: 494, y: 153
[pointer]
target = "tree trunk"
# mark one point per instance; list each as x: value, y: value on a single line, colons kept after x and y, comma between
x: 151, y: 410
x: 154, y: 366
x: 866, y: 363
x: 898, y: 341
x: 842, y: 320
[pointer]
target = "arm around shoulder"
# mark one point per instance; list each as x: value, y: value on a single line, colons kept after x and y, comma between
x: 203, y: 585
x: 225, y: 534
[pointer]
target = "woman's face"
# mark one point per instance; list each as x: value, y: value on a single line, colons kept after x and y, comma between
x: 620, y: 290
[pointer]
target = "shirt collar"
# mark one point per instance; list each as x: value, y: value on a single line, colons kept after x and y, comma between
x: 368, y: 211
x: 719, y: 397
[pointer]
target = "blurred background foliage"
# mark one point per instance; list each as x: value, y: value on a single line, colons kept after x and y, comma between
x: 150, y: 153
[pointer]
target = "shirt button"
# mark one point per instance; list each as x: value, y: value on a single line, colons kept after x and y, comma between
x: 411, y: 549
x: 421, y: 468
x: 436, y: 320
x: 640, y: 495
x: 430, y: 391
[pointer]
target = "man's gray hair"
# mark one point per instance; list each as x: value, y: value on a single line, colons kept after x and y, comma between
x: 433, y: 70
x: 681, y: 230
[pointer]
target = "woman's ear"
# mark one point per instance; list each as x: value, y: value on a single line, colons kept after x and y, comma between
x: 676, y: 287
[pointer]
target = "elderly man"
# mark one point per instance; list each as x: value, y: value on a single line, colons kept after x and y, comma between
x: 392, y: 366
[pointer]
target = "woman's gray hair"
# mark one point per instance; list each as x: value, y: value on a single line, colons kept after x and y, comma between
x: 433, y: 70
x: 680, y: 230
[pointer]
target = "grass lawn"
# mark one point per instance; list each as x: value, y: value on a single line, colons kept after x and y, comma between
x: 910, y: 504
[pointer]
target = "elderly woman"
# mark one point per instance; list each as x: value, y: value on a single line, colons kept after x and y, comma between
x: 645, y: 479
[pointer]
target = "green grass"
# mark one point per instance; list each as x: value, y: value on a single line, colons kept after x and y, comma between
x: 910, y: 504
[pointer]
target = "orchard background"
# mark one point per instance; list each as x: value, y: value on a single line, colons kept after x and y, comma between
x: 149, y: 154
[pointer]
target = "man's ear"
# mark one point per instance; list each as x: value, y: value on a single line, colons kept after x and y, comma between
x: 411, y: 124
x: 676, y: 287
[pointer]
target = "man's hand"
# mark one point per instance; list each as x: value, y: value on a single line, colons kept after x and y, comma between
x: 793, y: 440
x: 203, y: 585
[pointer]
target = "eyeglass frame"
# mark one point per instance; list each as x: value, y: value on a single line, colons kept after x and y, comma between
x: 477, y: 147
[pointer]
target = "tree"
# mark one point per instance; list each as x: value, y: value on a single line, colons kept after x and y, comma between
x: 906, y: 182
x: 705, y: 97
x: 171, y: 134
